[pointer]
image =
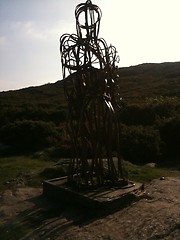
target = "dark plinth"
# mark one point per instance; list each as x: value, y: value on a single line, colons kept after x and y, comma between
x: 104, y: 197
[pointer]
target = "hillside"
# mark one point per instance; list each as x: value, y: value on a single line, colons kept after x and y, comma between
x: 136, y: 82
x: 34, y: 118
x: 149, y: 80
x: 34, y: 146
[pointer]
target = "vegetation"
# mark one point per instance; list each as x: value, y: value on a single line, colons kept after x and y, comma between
x: 31, y: 170
x: 150, y: 129
x: 33, y: 119
x: 21, y: 171
x: 34, y: 145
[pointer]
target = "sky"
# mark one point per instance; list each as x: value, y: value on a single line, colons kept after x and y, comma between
x: 143, y: 31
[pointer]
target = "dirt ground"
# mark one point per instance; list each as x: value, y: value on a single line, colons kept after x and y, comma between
x: 156, y: 216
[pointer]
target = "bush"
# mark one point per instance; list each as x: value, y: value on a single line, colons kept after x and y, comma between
x: 149, y: 110
x: 29, y: 135
x: 140, y: 144
x: 137, y: 115
x: 170, y: 135
x: 53, y: 172
x: 60, y: 151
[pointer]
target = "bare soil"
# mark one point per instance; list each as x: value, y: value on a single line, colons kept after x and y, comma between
x: 156, y: 216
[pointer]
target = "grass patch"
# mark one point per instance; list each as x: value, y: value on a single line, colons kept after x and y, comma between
x: 31, y: 171
x: 21, y: 170
x: 146, y: 173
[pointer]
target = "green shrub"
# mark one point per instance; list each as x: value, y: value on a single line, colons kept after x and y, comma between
x: 137, y: 114
x: 149, y: 110
x: 170, y: 135
x: 140, y: 144
x: 53, y: 172
x: 60, y: 151
x: 29, y: 135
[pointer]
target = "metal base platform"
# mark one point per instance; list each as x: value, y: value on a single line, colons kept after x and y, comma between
x: 101, y: 198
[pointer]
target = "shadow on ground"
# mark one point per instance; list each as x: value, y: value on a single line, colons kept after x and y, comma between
x: 47, y: 219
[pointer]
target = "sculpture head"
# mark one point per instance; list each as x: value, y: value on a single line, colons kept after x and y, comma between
x: 88, y: 18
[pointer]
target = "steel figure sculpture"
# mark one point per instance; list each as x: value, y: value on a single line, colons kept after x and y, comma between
x: 90, y: 90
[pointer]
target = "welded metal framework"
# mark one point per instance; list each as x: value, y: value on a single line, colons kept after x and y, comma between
x: 89, y: 72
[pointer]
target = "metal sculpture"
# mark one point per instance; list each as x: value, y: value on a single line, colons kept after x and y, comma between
x: 90, y: 90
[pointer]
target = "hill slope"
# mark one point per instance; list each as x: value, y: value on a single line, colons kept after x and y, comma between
x: 149, y: 80
x: 136, y: 82
x: 34, y: 118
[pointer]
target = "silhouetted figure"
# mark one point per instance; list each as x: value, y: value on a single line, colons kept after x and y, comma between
x: 90, y: 90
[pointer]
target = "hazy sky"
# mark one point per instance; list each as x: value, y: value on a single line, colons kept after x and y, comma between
x: 143, y: 31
